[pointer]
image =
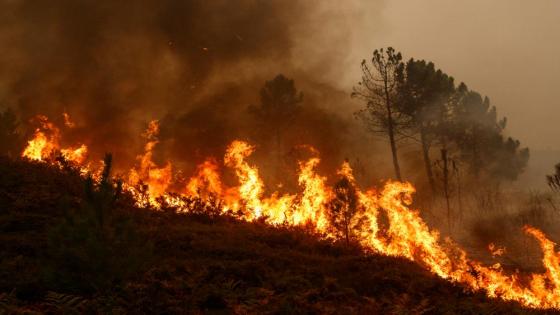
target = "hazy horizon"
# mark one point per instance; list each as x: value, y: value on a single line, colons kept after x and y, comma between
x: 507, y: 50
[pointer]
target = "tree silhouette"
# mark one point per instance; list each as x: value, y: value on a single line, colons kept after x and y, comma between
x: 279, y: 103
x: 378, y: 88
x: 424, y: 95
x: 462, y: 123
x: 479, y: 137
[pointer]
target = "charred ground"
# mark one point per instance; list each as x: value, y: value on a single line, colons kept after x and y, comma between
x: 197, y: 263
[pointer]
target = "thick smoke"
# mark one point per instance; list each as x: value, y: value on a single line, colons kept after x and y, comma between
x: 195, y: 65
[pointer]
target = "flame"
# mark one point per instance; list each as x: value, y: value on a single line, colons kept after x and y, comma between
x: 46, y: 143
x: 311, y: 208
x: 77, y: 155
x: 206, y: 182
x: 39, y: 147
x: 157, y: 179
x: 496, y: 251
x: 274, y: 209
x: 403, y: 234
x: 45, y: 140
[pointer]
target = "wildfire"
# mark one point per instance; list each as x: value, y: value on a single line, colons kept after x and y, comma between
x: 46, y: 143
x: 404, y: 234
x: 45, y: 140
x: 39, y: 147
x: 207, y: 182
x: 157, y: 179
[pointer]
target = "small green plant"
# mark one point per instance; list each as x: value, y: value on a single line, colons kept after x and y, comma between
x: 96, y: 245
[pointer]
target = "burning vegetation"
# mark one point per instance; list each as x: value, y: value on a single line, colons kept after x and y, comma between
x: 381, y: 221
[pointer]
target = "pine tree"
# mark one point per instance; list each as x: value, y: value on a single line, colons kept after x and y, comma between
x: 378, y: 89
x: 95, y: 245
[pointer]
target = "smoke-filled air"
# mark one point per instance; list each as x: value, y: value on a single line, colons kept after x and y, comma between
x: 279, y: 157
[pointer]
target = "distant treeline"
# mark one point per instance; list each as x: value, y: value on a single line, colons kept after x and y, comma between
x: 457, y: 130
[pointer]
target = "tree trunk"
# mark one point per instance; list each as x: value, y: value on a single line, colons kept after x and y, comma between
x: 427, y: 161
x: 459, y: 192
x: 446, y: 186
x: 475, y: 154
x: 391, y: 131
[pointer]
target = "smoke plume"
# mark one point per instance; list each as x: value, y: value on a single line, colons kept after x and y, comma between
x: 194, y: 65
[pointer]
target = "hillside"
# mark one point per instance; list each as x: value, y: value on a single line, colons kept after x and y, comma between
x: 199, y: 263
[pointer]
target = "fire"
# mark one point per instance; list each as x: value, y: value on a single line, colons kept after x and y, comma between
x: 157, y: 179
x: 404, y: 233
x: 207, y: 182
x: 46, y: 143
x: 274, y: 209
x: 251, y: 186
x: 45, y: 140
x: 39, y: 147
x: 311, y: 208
x: 77, y: 155
x: 496, y: 251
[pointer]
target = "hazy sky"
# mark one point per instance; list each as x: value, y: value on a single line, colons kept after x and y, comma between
x: 508, y: 50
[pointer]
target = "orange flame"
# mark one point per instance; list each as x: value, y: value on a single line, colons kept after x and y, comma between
x: 39, y: 147
x: 45, y: 143
x: 206, y: 182
x: 157, y: 179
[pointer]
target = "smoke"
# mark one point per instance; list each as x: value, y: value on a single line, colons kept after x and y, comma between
x: 195, y: 65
